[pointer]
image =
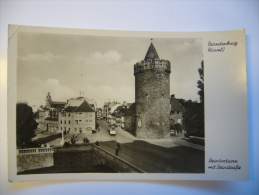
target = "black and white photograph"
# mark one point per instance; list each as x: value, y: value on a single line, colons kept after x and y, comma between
x: 109, y: 104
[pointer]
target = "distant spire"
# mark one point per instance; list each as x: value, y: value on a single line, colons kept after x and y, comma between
x: 151, y: 52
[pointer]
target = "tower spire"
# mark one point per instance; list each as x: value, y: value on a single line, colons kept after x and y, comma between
x: 151, y: 52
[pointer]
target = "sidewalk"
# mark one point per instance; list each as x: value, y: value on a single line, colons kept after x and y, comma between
x: 175, y: 141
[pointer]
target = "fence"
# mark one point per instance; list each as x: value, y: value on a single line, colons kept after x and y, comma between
x: 35, y: 151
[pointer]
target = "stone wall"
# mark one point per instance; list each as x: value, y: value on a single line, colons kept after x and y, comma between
x: 34, y: 161
x: 152, y: 95
x: 76, y: 158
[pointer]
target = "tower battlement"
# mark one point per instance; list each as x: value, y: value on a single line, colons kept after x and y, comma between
x: 155, y: 64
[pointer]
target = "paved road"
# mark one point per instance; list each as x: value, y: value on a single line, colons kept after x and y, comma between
x: 156, y: 159
x: 169, y: 155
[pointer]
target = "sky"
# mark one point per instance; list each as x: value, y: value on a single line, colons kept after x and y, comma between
x: 101, y: 66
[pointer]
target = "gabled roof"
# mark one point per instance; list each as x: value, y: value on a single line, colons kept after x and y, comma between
x: 119, y: 111
x: 151, y: 53
x: 175, y: 105
x: 84, y: 107
x: 131, y: 110
x: 122, y: 111
x: 70, y: 108
x: 116, y: 111
x: 128, y: 105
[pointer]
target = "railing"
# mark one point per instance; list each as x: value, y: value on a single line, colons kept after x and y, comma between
x: 35, y: 151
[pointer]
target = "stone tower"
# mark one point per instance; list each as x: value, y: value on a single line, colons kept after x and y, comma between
x: 152, y: 95
x: 48, y: 100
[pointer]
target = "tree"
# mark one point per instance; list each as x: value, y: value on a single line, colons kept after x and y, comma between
x: 194, y: 112
x: 25, y: 124
x: 201, y: 82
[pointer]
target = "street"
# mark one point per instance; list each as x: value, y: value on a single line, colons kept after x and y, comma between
x: 169, y: 155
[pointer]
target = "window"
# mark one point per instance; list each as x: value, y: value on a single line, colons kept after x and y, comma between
x: 60, y: 121
x: 76, y: 121
x: 80, y: 113
x: 68, y: 114
x: 65, y: 122
x: 90, y: 120
x: 69, y: 122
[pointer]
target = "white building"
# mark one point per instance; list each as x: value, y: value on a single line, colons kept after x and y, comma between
x: 76, y: 119
x: 79, y: 100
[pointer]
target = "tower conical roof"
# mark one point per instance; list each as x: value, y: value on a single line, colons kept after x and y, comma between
x: 151, y: 53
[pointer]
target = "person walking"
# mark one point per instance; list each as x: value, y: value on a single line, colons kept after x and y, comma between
x: 118, y: 146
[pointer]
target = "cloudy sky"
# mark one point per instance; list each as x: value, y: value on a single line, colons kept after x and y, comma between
x: 100, y: 66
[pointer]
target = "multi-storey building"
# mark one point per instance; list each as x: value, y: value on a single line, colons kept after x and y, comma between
x: 77, y: 119
x: 79, y: 100
x: 176, y: 113
x: 48, y: 115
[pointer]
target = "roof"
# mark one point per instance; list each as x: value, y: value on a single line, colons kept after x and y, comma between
x: 175, y: 105
x: 84, y: 107
x: 51, y: 119
x: 58, y: 105
x: 54, y: 102
x: 117, y: 110
x: 128, y: 105
x: 70, y: 108
x: 131, y: 110
x: 122, y: 111
x: 151, y: 53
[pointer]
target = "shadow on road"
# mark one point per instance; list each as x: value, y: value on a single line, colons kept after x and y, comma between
x: 44, y: 140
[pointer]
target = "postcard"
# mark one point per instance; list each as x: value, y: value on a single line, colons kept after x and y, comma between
x: 126, y: 105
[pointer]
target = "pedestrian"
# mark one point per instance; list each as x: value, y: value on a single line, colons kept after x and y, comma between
x: 118, y: 146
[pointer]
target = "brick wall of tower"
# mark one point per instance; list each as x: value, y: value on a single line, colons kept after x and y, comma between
x: 152, y: 96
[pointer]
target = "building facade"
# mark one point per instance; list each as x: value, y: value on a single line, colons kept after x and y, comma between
x: 152, y: 95
x: 176, y: 113
x: 48, y: 115
x: 77, y: 119
x: 130, y: 119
